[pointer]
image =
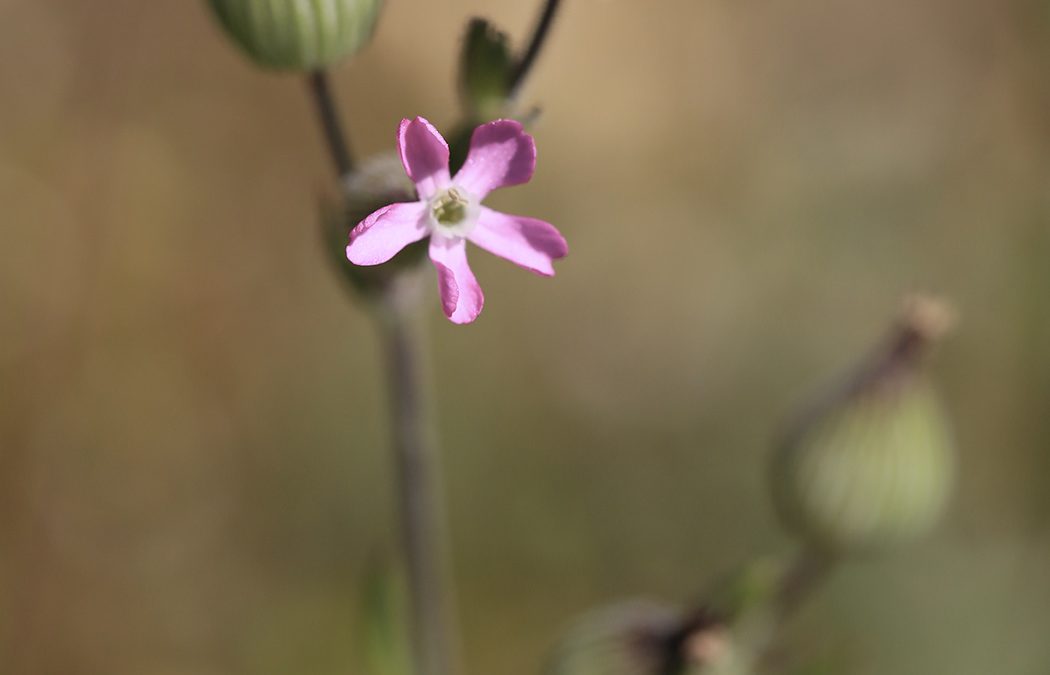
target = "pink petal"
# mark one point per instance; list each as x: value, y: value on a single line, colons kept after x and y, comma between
x: 501, y: 154
x: 461, y: 296
x: 381, y: 235
x: 533, y: 244
x: 424, y: 154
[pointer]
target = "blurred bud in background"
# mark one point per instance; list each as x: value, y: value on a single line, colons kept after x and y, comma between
x: 872, y: 464
x: 729, y: 631
x: 647, y: 638
x: 298, y: 34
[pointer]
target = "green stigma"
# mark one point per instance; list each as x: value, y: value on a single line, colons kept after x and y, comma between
x: 450, y: 207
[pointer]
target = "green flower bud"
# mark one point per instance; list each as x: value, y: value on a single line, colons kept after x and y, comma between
x: 486, y: 66
x: 298, y: 34
x: 872, y: 465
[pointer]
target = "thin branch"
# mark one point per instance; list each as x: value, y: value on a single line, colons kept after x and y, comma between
x: 328, y: 115
x: 807, y: 573
x: 539, y: 38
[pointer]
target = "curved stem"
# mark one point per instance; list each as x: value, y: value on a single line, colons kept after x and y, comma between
x: 419, y: 490
x: 328, y: 115
x: 539, y: 37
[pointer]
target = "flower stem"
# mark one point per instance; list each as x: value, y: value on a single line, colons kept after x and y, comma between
x: 328, y: 115
x: 419, y: 489
x: 539, y: 38
x: 421, y: 503
x: 806, y: 574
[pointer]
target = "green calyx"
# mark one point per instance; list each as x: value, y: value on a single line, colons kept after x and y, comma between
x: 875, y: 472
x: 298, y: 34
x: 377, y: 182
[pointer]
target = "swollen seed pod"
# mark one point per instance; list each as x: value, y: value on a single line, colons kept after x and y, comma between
x: 872, y: 465
x: 298, y: 34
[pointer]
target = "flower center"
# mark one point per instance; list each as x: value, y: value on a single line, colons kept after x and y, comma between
x: 450, y: 207
x: 453, y: 212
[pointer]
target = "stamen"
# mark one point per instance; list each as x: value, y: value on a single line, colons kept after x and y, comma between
x: 450, y: 207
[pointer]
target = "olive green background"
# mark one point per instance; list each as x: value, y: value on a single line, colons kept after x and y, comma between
x: 193, y: 470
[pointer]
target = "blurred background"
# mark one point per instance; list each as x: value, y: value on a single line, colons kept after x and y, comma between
x: 194, y: 473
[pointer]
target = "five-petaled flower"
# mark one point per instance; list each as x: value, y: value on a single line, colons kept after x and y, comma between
x: 449, y: 210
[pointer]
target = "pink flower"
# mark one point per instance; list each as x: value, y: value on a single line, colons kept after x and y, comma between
x: 449, y: 210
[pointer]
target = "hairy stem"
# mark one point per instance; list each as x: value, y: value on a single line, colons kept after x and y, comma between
x: 419, y: 489
x: 328, y: 116
x: 539, y: 38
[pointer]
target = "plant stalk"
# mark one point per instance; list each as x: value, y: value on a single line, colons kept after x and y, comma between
x: 421, y: 504
x: 419, y: 481
x: 807, y: 573
x: 328, y: 116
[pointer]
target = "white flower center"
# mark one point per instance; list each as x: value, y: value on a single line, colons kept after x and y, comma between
x: 453, y: 212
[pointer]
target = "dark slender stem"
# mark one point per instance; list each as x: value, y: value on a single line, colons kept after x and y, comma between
x: 539, y: 37
x: 419, y: 489
x: 328, y: 115
x: 806, y: 574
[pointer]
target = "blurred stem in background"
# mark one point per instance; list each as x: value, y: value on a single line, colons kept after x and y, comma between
x: 423, y: 522
x: 807, y: 573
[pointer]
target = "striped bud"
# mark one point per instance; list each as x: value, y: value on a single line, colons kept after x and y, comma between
x: 298, y: 34
x: 872, y: 465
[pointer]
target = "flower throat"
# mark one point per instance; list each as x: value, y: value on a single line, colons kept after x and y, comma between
x: 450, y: 207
